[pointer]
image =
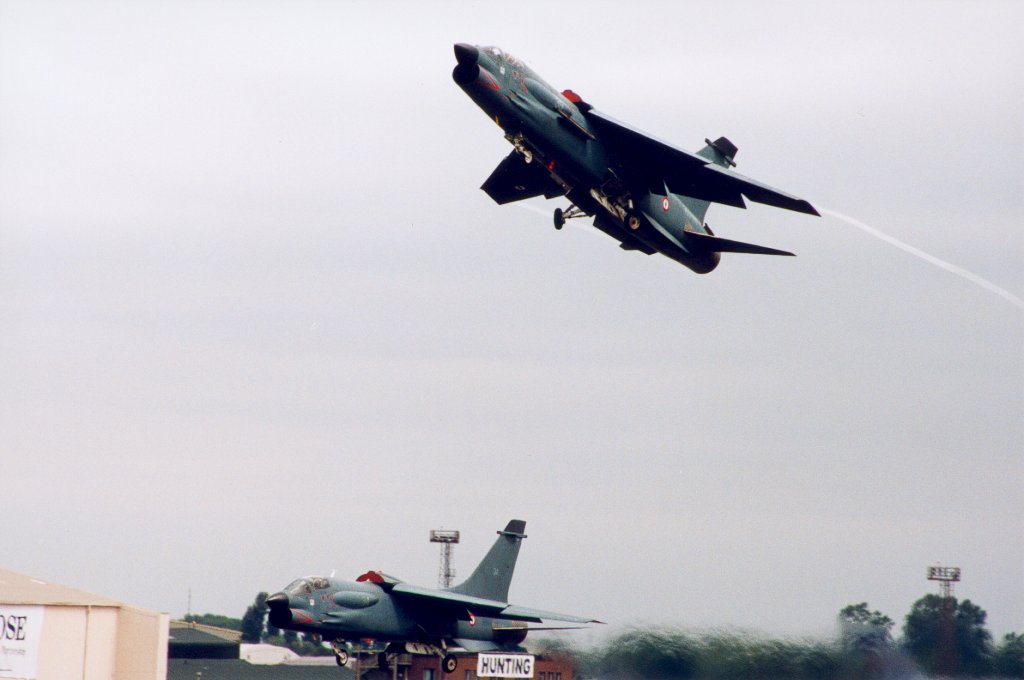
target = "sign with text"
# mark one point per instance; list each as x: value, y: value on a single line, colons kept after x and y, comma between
x: 21, y: 627
x: 489, y: 665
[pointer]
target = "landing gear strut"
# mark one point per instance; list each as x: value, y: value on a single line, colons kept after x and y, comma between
x: 562, y: 215
x: 340, y: 653
x: 520, y: 145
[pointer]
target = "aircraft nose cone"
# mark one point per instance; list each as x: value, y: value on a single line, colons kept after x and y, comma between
x: 280, y: 610
x: 465, y: 54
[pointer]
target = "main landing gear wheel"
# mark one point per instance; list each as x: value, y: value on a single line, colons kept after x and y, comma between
x: 633, y: 222
x: 340, y: 653
x: 449, y: 663
x: 571, y: 212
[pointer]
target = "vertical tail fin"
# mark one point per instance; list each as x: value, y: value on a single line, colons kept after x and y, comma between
x: 493, y: 575
x: 720, y: 152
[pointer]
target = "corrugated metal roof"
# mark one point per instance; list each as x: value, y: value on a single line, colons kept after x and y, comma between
x: 17, y: 588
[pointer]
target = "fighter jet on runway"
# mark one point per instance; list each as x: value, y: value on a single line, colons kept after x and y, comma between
x: 645, y: 193
x: 474, y: 615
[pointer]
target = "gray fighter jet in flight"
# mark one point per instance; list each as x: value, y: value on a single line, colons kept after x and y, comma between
x: 474, y: 615
x: 645, y: 193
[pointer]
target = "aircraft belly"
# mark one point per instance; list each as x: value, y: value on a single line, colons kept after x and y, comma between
x: 580, y: 162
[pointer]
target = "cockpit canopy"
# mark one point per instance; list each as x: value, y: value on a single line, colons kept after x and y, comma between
x: 305, y: 586
x: 503, y: 57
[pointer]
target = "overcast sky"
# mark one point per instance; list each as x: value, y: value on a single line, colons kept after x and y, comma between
x: 258, y: 320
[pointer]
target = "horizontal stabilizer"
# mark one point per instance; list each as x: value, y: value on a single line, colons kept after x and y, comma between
x: 538, y: 615
x: 532, y: 628
x: 723, y: 245
x: 476, y: 646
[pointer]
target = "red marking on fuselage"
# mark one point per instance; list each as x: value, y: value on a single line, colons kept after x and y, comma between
x: 300, y: 616
x: 489, y: 82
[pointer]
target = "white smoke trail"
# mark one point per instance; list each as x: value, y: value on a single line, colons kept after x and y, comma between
x: 952, y: 268
x: 533, y: 208
x: 548, y: 213
x: 942, y: 264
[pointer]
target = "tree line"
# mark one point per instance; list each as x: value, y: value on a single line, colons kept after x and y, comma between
x: 940, y: 636
x: 943, y: 635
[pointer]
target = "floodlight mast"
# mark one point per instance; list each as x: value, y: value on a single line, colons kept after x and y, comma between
x: 447, y: 539
x: 946, y: 576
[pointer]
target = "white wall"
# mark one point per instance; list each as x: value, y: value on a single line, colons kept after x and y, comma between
x: 102, y: 643
x: 78, y: 643
x: 142, y: 645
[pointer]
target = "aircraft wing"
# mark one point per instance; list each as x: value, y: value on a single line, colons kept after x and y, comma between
x: 461, y: 605
x: 539, y: 615
x: 514, y: 180
x: 685, y: 172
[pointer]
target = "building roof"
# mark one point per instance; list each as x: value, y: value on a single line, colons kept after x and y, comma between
x: 236, y: 669
x: 17, y: 588
x: 198, y: 633
x: 194, y: 641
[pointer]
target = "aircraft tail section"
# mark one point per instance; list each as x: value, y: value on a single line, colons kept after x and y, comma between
x: 492, y: 577
x: 720, y: 152
x: 715, y: 244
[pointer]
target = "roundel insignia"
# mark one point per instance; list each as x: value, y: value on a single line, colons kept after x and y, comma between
x: 664, y: 204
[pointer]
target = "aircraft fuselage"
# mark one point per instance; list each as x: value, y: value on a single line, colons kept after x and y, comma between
x: 545, y: 127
